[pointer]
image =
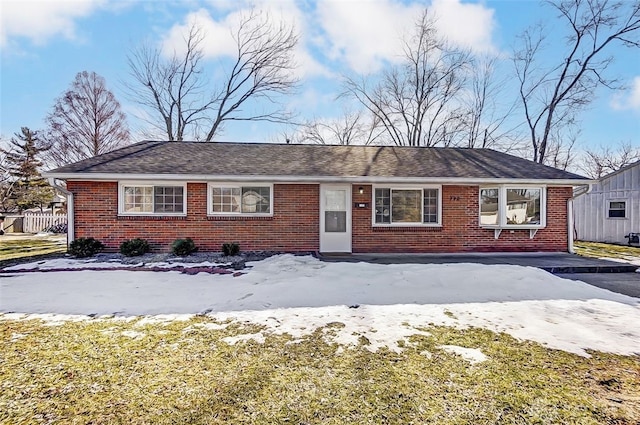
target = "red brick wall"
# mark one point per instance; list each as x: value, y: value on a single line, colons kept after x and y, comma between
x: 294, y: 226
x: 460, y: 231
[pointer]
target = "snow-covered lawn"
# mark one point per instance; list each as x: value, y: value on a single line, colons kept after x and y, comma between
x: 384, y: 303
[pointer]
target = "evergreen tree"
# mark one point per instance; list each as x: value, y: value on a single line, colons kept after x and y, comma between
x: 22, y: 162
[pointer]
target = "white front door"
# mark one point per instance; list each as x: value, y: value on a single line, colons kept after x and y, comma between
x: 335, y: 218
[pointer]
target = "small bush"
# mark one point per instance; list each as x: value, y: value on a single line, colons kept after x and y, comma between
x: 231, y: 248
x: 85, y: 247
x: 134, y: 247
x: 183, y: 247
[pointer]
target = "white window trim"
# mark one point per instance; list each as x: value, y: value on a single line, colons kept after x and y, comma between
x: 211, y: 185
x: 607, y: 208
x: 407, y: 187
x: 502, y: 197
x: 123, y: 184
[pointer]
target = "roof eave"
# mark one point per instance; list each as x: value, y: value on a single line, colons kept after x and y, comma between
x: 311, y: 179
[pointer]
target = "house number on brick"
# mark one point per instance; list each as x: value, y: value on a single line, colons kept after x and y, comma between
x: 454, y: 198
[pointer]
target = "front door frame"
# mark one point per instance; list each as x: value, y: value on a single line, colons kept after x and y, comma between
x: 336, y: 241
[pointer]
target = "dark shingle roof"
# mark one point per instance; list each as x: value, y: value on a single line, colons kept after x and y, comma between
x: 266, y: 159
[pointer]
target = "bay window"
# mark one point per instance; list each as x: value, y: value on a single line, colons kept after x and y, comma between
x: 512, y: 206
x: 406, y: 206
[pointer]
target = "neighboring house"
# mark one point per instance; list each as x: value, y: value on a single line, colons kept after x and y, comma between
x: 306, y: 198
x: 611, y: 209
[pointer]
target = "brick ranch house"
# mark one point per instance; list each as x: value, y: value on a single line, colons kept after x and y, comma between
x: 307, y: 198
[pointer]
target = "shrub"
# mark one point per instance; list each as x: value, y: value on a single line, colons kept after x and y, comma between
x: 85, y: 247
x: 134, y: 247
x: 183, y: 247
x: 230, y: 248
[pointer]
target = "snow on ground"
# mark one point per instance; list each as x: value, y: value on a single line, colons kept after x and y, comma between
x: 471, y: 355
x: 73, y: 263
x: 382, y: 303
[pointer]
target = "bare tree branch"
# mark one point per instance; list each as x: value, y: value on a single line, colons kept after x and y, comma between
x: 552, y: 96
x: 85, y: 121
x: 416, y: 102
x: 485, y: 111
x: 352, y: 128
x: 181, y: 99
x: 172, y: 90
x: 607, y: 159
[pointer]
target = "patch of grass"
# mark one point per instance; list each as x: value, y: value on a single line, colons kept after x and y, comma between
x: 112, y: 371
x: 31, y: 246
x: 604, y: 250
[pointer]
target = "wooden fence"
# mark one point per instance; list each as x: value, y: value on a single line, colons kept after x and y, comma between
x: 34, y: 223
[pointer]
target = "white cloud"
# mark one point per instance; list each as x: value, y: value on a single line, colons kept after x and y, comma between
x: 218, y: 30
x: 365, y: 34
x: 466, y: 24
x: 630, y: 100
x: 218, y: 39
x: 39, y: 20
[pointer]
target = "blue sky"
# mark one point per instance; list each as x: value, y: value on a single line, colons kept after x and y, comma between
x: 45, y: 43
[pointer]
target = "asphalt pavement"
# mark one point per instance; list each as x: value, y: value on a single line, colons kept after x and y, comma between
x: 622, y: 283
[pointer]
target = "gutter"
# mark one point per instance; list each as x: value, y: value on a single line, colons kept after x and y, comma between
x: 70, y: 209
x: 570, y: 218
x: 193, y: 178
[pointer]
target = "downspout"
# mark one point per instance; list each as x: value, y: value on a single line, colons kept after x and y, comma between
x: 570, y: 219
x: 70, y: 212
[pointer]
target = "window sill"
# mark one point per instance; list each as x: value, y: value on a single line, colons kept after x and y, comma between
x: 400, y: 229
x: 151, y: 217
x: 497, y: 230
x: 404, y: 225
x: 239, y: 217
x: 513, y: 227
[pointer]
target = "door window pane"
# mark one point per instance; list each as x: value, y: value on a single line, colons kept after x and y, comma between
x: 335, y: 221
x: 335, y: 200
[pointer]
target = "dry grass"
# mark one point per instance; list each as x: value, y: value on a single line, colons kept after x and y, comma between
x: 604, y: 250
x: 111, y: 371
x: 15, y: 247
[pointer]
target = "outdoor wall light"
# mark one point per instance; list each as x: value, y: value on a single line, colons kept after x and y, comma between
x: 361, y: 190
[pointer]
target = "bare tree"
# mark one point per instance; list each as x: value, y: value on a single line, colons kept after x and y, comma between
x: 606, y: 159
x: 486, y: 112
x: 561, y: 148
x: 173, y: 90
x: 552, y: 96
x: 178, y: 94
x: 352, y: 128
x: 85, y: 121
x: 416, y: 102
